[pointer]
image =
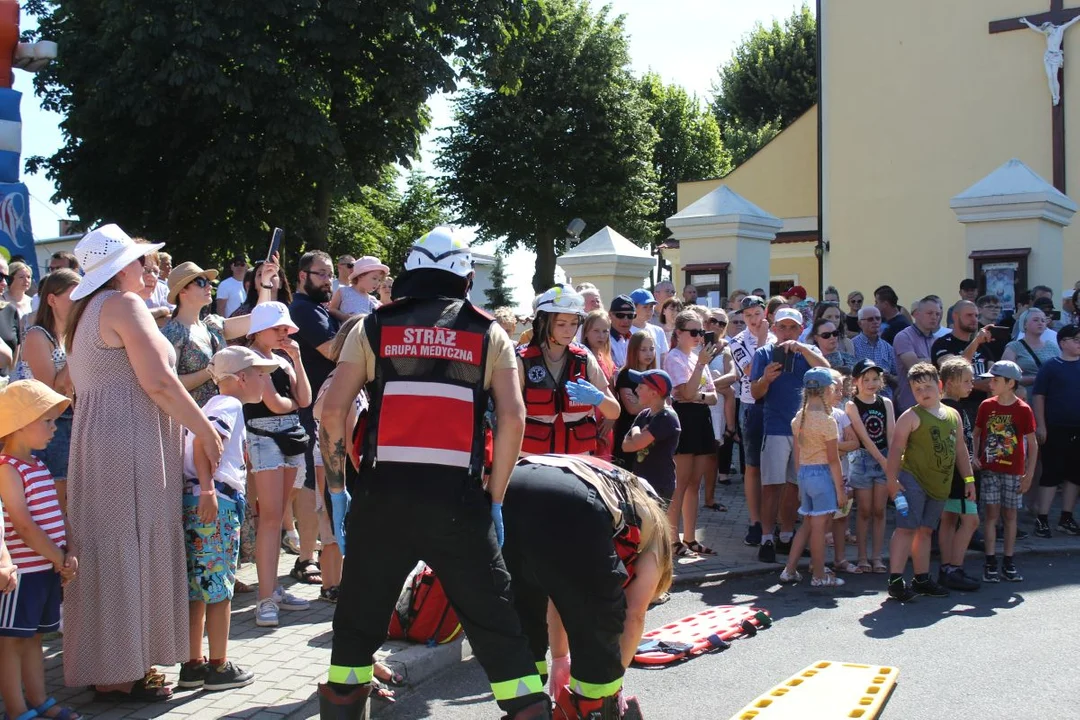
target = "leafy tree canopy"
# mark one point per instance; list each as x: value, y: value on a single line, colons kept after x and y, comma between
x: 573, y: 141
x: 689, y: 145
x: 769, y: 82
x: 205, y: 122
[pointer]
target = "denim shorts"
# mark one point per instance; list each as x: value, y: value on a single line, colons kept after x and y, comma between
x: 865, y: 470
x: 55, y: 454
x: 212, y: 550
x: 817, y: 492
x: 752, y: 429
x: 264, y: 453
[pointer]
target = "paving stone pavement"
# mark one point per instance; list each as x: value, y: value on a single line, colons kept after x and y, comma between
x: 291, y: 659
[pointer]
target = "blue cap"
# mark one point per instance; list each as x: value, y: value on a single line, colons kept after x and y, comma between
x: 817, y: 378
x: 1006, y: 369
x: 641, y: 296
x: 658, y: 380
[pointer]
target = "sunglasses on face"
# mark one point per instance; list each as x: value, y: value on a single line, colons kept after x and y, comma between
x: 693, y: 332
x: 828, y: 335
x: 201, y: 282
x: 347, y: 265
x: 623, y: 315
x: 720, y: 323
x: 738, y: 322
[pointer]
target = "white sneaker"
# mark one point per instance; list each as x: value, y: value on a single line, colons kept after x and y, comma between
x: 266, y: 613
x: 288, y: 601
x: 829, y: 580
x: 792, y: 578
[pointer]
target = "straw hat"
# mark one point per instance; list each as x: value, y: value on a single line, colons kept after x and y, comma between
x: 183, y: 274
x: 24, y: 401
x: 104, y: 252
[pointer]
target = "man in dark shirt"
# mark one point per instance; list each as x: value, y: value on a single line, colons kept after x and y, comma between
x: 893, y: 321
x: 967, y: 341
x: 317, y: 330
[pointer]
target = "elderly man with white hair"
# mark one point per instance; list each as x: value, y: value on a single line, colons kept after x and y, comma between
x: 869, y: 344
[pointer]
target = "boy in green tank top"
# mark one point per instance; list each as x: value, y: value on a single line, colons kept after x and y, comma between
x: 928, y: 443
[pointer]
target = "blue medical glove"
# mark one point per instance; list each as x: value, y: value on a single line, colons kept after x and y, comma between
x: 339, y: 508
x: 496, y: 517
x: 583, y: 392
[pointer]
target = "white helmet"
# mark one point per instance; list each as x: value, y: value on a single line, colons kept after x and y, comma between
x: 441, y: 249
x: 561, y: 299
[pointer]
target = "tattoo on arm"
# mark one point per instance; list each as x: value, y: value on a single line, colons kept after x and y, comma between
x: 333, y: 459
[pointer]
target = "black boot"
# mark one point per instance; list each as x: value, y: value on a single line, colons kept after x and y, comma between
x: 353, y: 705
x: 537, y: 711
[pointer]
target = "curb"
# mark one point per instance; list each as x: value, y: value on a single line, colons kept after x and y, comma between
x: 749, y: 570
x: 420, y: 662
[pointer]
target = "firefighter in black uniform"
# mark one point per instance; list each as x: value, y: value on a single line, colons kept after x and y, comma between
x: 429, y: 361
x: 611, y: 532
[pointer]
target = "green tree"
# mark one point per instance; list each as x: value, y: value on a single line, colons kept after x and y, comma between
x: 573, y: 141
x: 689, y: 146
x: 207, y: 122
x: 420, y: 209
x: 498, y: 295
x: 769, y: 82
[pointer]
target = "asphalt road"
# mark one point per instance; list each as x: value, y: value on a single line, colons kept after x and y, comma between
x: 1006, y: 651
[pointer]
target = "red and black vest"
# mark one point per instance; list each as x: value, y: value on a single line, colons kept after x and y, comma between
x: 427, y: 396
x: 554, y: 423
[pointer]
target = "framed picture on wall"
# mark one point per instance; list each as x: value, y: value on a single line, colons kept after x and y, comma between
x: 1001, y: 273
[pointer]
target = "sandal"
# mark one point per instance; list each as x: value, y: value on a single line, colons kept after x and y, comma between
x: 243, y: 588
x: 65, y: 713
x: 879, y: 566
x: 306, y: 572
x: 143, y: 690
x: 379, y: 692
x: 681, y: 549
x: 846, y: 566
x: 864, y: 566
x: 393, y: 677
x: 828, y: 580
x: 329, y: 594
x: 700, y: 549
x: 660, y: 599
x: 716, y: 507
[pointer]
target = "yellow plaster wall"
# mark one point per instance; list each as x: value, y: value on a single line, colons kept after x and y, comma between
x: 781, y: 178
x: 919, y: 102
x: 804, y: 267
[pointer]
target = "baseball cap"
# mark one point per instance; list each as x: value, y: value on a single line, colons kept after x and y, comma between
x: 658, y: 380
x: 788, y: 314
x: 231, y: 360
x: 1069, y: 331
x: 641, y: 296
x: 816, y: 378
x: 1006, y: 369
x: 796, y: 291
x: 864, y: 366
x: 24, y: 401
x: 622, y: 303
x: 752, y: 301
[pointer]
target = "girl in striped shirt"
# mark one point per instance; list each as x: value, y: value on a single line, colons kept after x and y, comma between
x: 35, y: 535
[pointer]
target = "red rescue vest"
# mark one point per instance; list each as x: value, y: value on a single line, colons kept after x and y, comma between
x: 554, y: 423
x: 427, y: 396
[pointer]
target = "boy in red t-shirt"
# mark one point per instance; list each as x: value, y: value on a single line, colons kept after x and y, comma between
x: 1005, y: 451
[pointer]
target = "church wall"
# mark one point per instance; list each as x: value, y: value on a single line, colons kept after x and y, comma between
x: 781, y: 178
x: 801, y: 270
x: 919, y: 102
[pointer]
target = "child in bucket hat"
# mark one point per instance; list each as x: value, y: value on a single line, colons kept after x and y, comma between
x: 28, y: 412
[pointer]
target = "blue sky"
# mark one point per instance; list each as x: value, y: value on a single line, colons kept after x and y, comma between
x: 683, y: 40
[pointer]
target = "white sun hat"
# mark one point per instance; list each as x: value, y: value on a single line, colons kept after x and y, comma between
x: 271, y: 314
x: 104, y: 252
